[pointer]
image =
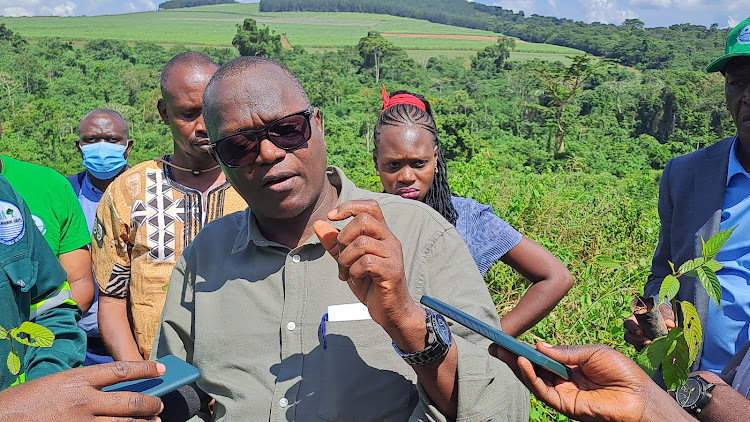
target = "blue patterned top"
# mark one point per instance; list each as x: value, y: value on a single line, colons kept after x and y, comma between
x: 487, y: 235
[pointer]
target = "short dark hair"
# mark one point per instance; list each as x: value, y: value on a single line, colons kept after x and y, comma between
x: 239, y: 67
x: 106, y: 112
x: 439, y: 195
x: 188, y: 58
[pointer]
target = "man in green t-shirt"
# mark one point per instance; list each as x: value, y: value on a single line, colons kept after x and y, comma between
x: 58, y: 215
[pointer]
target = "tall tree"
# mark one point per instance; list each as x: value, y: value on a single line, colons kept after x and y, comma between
x: 251, y: 40
x: 373, y: 48
x: 563, y: 82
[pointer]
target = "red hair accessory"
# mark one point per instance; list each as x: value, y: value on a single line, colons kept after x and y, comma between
x: 401, y: 99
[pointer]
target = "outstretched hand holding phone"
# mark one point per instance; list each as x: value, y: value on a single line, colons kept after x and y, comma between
x: 75, y: 395
x: 604, y: 386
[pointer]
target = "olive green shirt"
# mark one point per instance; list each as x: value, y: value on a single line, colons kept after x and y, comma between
x: 247, y: 312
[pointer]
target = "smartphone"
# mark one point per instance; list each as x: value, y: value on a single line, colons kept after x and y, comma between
x: 178, y: 373
x: 500, y: 338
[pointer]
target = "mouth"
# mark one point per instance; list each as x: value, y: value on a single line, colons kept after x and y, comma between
x: 279, y: 181
x: 408, y: 193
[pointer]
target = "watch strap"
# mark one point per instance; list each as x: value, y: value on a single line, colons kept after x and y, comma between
x: 436, y: 348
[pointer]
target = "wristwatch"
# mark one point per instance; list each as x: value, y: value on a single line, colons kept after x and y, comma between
x: 694, y: 395
x: 439, y: 341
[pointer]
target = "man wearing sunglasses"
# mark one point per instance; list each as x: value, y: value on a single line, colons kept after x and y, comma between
x: 257, y: 301
x: 153, y: 210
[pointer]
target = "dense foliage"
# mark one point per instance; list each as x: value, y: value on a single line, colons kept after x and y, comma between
x: 176, y: 4
x: 499, y: 123
x: 682, y: 46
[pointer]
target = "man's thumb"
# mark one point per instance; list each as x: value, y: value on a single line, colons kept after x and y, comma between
x: 328, y: 236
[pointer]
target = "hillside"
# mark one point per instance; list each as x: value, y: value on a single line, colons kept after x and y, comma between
x: 215, y: 26
x: 683, y: 46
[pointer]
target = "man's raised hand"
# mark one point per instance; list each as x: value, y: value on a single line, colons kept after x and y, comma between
x: 370, y: 260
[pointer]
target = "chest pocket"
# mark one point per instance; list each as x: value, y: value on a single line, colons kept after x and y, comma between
x: 19, y: 276
x: 363, y: 377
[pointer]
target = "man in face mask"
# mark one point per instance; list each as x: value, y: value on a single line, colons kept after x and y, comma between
x: 105, y: 146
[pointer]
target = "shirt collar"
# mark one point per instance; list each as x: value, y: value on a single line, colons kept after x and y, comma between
x: 734, y: 168
x: 87, y: 187
x: 250, y: 232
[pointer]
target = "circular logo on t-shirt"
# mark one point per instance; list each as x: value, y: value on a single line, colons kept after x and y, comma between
x: 744, y: 37
x: 12, y: 227
x: 39, y: 224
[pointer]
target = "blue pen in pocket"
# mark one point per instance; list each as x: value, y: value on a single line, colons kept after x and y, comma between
x: 323, y: 328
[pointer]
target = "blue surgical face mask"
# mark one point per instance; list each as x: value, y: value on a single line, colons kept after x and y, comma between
x: 104, y: 159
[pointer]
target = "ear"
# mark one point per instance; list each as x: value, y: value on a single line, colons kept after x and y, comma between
x: 375, y: 159
x: 162, y: 107
x: 319, y: 123
x: 78, y: 146
x: 128, y: 148
x: 435, y: 155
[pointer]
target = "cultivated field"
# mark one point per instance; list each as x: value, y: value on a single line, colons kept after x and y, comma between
x: 215, y: 26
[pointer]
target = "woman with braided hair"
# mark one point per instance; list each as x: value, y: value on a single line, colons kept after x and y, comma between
x: 408, y: 157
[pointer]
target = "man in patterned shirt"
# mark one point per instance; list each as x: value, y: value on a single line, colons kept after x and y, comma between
x: 153, y: 210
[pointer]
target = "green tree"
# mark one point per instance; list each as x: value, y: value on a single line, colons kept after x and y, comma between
x: 251, y: 40
x: 493, y: 57
x: 373, y: 48
x: 562, y: 83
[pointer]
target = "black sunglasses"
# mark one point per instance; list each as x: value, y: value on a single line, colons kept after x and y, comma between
x: 242, y: 148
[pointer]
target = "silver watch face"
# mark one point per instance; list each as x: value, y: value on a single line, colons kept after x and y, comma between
x: 688, y: 394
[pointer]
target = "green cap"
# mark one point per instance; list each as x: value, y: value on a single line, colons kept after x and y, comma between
x: 738, y: 44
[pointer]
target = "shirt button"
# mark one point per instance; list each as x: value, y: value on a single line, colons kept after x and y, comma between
x: 283, y: 402
x: 21, y: 283
x: 291, y: 326
x: 296, y: 259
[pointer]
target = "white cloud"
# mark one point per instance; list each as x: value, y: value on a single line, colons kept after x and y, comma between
x: 650, y: 3
x: 606, y: 11
x: 527, y: 6
x: 38, y: 8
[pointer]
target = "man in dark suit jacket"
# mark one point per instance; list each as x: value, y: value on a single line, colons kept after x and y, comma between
x: 695, y: 190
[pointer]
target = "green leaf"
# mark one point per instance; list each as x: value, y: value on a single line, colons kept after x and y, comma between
x: 652, y: 356
x: 692, y: 328
x: 714, y: 265
x: 669, y: 288
x: 3, y: 333
x: 606, y: 261
x: 691, y: 265
x: 714, y: 244
x: 14, y: 362
x: 35, y: 335
x: 676, y: 365
x: 710, y: 283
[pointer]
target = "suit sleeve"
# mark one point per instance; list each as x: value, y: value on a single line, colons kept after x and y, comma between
x: 663, y: 254
x: 52, y: 306
x: 109, y: 247
x: 487, y: 389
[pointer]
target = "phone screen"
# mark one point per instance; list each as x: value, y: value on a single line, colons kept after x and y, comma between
x: 500, y: 338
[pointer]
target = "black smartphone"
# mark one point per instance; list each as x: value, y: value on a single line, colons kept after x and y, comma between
x: 178, y: 373
x: 500, y: 338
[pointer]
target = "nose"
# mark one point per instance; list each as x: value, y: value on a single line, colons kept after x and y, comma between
x: 200, y: 128
x: 268, y: 152
x: 407, y: 176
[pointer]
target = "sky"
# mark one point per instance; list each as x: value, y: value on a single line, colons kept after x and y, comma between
x: 652, y: 12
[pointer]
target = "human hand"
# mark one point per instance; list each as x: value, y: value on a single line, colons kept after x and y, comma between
x: 75, y: 395
x: 370, y: 260
x: 604, y: 386
x: 634, y: 334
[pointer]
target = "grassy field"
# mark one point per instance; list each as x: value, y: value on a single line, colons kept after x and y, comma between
x: 215, y: 26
